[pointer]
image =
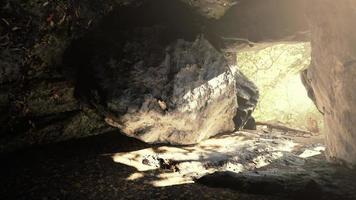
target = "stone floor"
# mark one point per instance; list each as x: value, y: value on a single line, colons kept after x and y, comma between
x: 261, y: 164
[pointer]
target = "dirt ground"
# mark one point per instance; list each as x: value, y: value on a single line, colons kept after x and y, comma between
x: 84, y: 169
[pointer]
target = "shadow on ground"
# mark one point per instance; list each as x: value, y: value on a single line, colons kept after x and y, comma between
x: 84, y: 169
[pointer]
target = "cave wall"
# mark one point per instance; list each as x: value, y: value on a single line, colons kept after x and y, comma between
x: 37, y: 105
x: 332, y: 73
x: 158, y: 76
x: 37, y: 101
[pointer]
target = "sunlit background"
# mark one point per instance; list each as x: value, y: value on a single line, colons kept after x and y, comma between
x: 283, y: 98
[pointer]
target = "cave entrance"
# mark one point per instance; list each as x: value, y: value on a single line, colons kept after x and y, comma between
x: 287, y: 136
x: 283, y: 101
x: 138, y: 75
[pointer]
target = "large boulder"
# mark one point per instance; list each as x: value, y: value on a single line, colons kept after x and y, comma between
x: 189, y: 94
x: 156, y: 81
x: 332, y: 73
x: 36, y: 98
x: 192, y: 96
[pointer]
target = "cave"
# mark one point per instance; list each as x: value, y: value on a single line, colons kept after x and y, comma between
x: 179, y: 99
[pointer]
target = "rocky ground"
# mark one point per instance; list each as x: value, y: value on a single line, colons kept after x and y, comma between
x: 90, y: 169
x: 84, y: 169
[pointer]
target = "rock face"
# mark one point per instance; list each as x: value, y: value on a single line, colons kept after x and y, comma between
x: 37, y: 104
x: 36, y: 101
x: 247, y: 98
x: 332, y: 73
x: 157, y: 81
x: 190, y: 94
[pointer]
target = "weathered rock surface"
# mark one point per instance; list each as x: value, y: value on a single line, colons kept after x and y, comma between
x: 34, y: 36
x: 247, y: 98
x: 332, y: 73
x: 157, y: 81
x: 189, y: 95
x: 36, y: 102
x: 46, y: 113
